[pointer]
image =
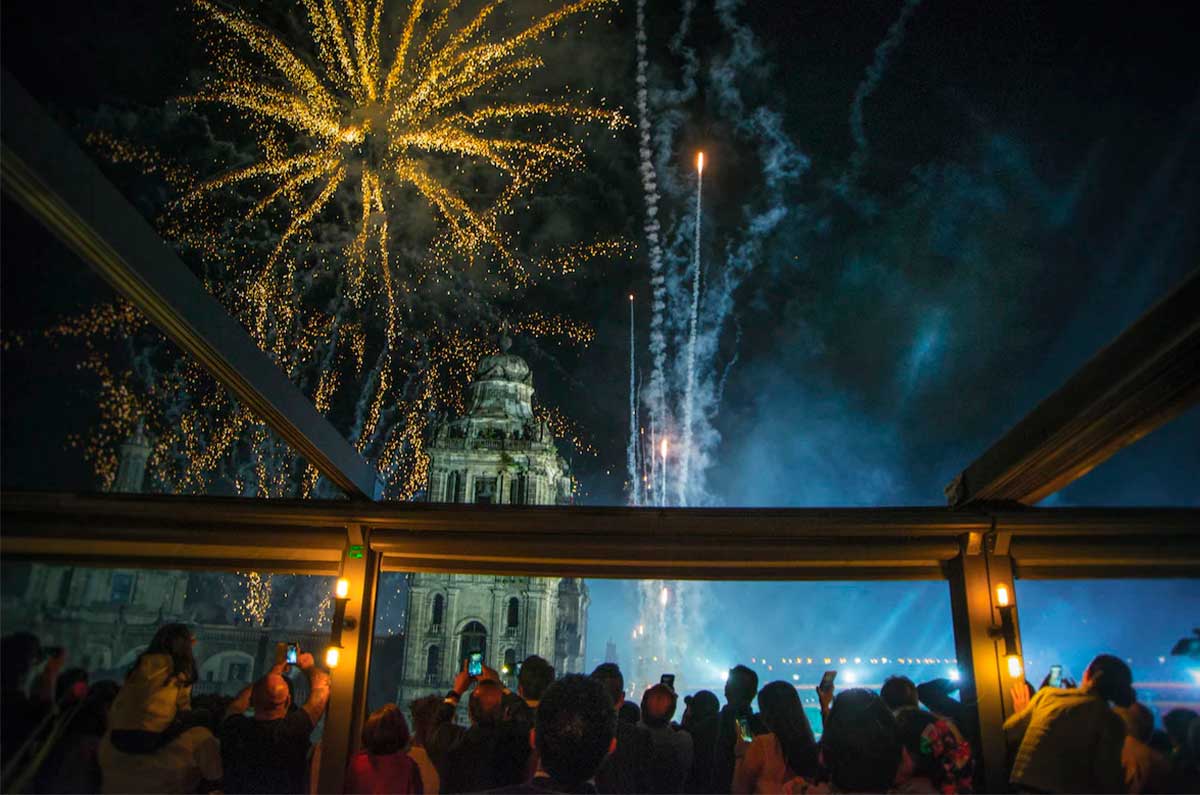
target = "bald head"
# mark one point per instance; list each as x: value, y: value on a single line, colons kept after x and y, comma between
x: 270, y: 697
x: 658, y: 706
x: 485, y: 702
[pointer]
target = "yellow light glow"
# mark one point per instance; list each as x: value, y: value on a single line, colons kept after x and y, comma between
x: 1002, y: 595
x: 700, y: 162
x: 1014, y: 666
x: 332, y: 655
x: 342, y: 589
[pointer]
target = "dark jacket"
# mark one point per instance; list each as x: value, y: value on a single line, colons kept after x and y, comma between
x: 627, y: 770
x: 727, y: 731
x: 704, y: 748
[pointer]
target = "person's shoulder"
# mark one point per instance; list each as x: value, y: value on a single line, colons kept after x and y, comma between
x: 298, y: 720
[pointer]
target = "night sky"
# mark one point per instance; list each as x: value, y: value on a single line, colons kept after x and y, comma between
x: 1024, y: 183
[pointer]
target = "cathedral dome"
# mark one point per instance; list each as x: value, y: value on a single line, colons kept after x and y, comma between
x: 502, y: 387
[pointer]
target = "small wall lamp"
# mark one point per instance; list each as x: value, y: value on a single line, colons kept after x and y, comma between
x: 341, y: 598
x: 1007, y: 631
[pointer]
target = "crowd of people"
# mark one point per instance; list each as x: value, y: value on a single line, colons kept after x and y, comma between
x: 571, y: 734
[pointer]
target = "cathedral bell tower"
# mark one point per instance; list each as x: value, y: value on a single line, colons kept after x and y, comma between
x: 497, y: 453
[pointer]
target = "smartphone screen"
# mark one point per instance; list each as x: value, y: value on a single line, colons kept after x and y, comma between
x: 1055, y: 676
x: 293, y: 652
x: 743, y: 726
x: 668, y: 680
x: 827, y: 679
x: 475, y: 664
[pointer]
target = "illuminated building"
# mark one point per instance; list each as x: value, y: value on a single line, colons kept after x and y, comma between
x: 496, y: 454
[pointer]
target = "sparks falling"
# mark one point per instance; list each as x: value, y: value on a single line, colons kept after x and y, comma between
x: 689, y: 390
x: 390, y: 117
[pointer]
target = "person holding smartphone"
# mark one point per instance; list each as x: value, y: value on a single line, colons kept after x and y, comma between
x: 740, y: 689
x: 786, y: 750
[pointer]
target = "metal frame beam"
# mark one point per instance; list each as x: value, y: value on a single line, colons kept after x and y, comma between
x: 1144, y: 378
x: 57, y: 183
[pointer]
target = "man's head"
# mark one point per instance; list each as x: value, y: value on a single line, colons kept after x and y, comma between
x: 741, y: 687
x: 1111, y: 678
x: 609, y: 675
x: 1139, y: 721
x: 536, y: 675
x: 575, y: 729
x: 899, y: 692
x: 270, y: 697
x: 486, y: 698
x: 658, y: 706
x: 861, y: 746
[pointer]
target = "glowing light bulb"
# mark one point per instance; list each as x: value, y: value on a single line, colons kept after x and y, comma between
x: 332, y: 656
x: 700, y: 162
x: 1002, y: 595
x: 631, y: 296
x: 1014, y: 666
x: 342, y: 589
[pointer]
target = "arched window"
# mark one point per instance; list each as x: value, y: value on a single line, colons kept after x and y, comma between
x: 452, y: 481
x: 510, y: 664
x: 433, y: 661
x: 474, y: 639
x: 514, y: 613
x: 439, y: 607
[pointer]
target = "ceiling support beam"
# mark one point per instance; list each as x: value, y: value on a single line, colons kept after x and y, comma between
x: 58, y: 184
x: 1144, y: 378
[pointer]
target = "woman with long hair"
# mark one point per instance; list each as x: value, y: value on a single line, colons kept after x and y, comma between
x: 145, y: 715
x: 382, y: 766
x: 786, y: 751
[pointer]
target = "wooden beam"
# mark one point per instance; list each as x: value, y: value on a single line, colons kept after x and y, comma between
x: 1144, y: 378
x: 58, y: 184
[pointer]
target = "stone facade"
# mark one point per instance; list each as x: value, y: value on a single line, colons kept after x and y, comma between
x: 499, y: 454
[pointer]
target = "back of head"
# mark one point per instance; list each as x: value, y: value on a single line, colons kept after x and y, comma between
x: 629, y: 712
x: 385, y: 731
x: 1139, y: 721
x: 898, y: 692
x: 609, y: 675
x: 861, y: 746
x: 741, y: 686
x: 658, y: 706
x: 1111, y: 678
x: 780, y: 708
x: 536, y: 675
x: 1177, y: 722
x: 486, y: 699
x: 574, y: 729
x: 702, y: 704
x: 71, y: 685
x: 269, y: 697
x: 936, y: 748
x: 424, y: 714
x: 175, y: 641
x: 18, y: 653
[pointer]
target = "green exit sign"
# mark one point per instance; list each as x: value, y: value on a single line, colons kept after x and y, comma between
x: 356, y: 551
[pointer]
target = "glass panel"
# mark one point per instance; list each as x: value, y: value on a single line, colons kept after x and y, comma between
x: 104, y: 617
x: 1068, y: 622
x: 788, y: 631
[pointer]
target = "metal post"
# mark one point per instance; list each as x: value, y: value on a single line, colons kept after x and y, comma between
x: 973, y: 577
x: 348, y: 697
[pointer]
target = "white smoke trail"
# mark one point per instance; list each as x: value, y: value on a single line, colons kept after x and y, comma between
x: 689, y: 389
x: 635, y: 491
x: 875, y: 72
x: 656, y: 395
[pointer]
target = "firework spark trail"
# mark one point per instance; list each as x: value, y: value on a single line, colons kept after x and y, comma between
x: 373, y: 125
x: 635, y: 491
x: 875, y: 72
x: 689, y: 389
x: 656, y: 395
